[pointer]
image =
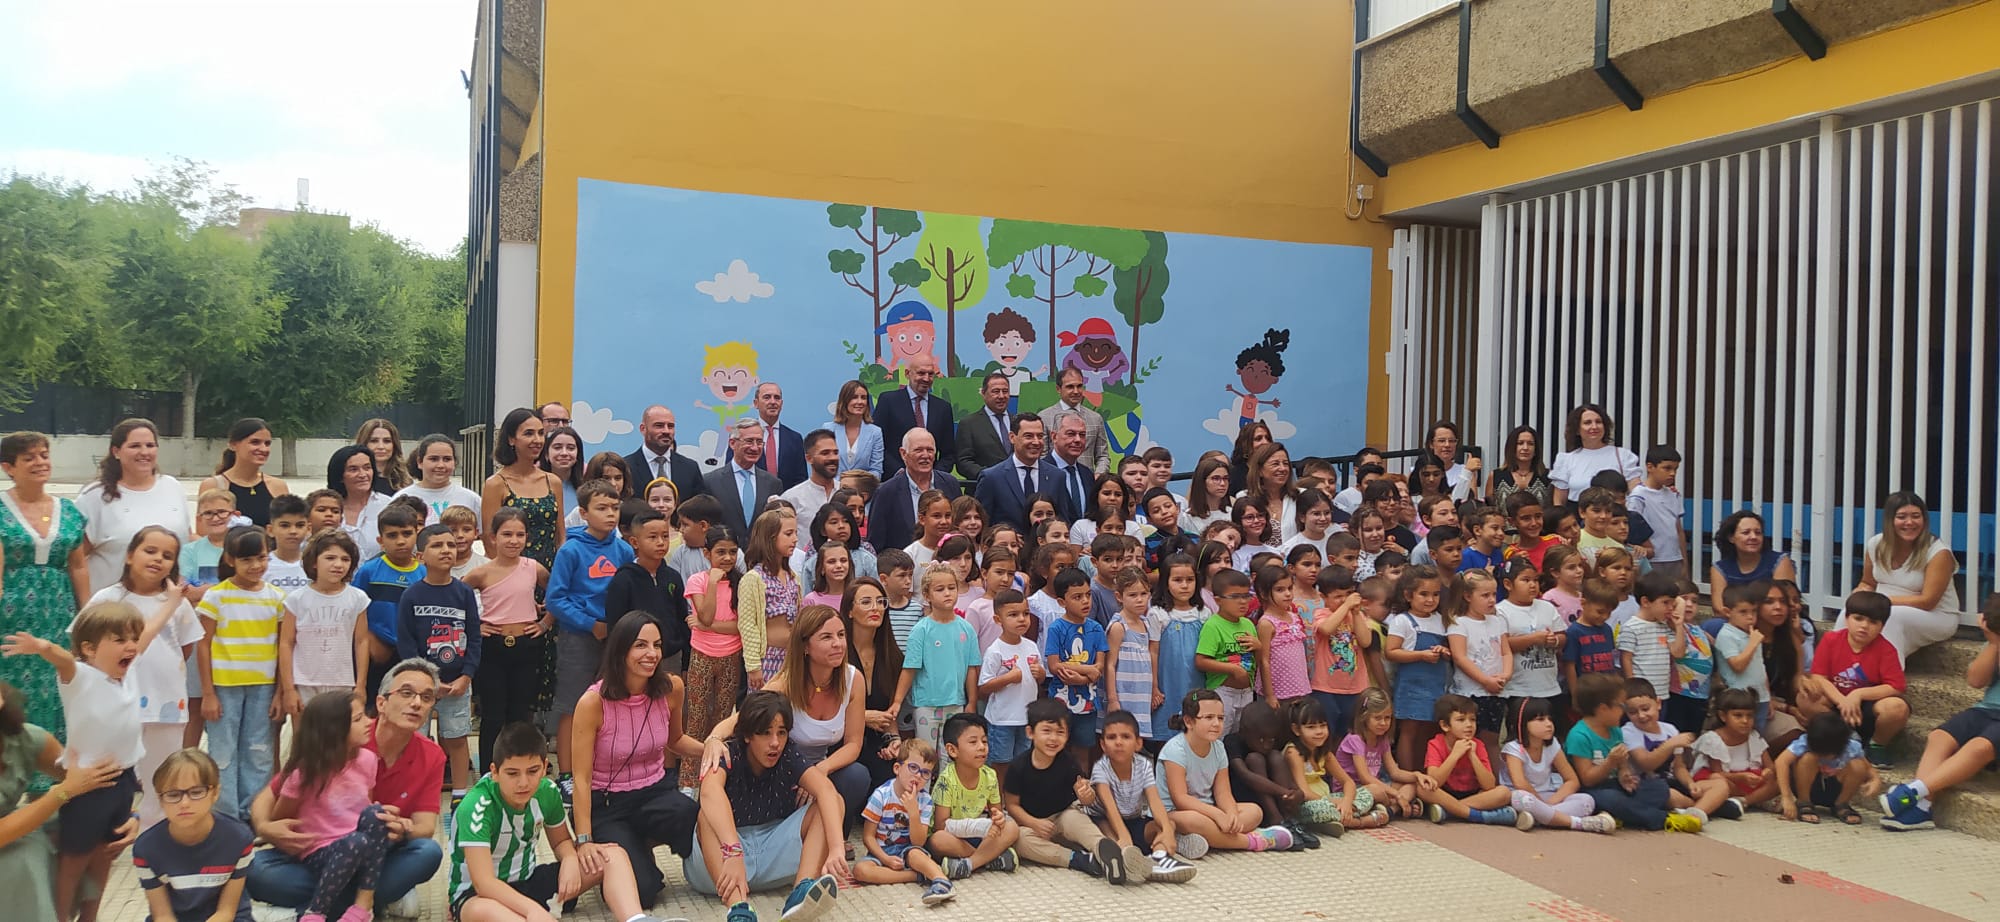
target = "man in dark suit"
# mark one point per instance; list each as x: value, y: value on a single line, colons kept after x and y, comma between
x: 784, y: 451
x: 982, y: 437
x: 892, y: 514
x: 1004, y: 487
x: 656, y: 456
x: 742, y: 486
x: 915, y: 407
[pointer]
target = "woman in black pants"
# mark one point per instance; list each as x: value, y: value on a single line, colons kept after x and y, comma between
x: 624, y: 729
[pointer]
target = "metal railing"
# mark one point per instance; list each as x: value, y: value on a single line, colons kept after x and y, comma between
x: 1384, y: 15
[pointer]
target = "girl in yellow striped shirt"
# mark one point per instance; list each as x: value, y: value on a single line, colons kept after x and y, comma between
x: 239, y: 667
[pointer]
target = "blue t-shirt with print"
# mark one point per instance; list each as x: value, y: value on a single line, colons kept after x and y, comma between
x: 1078, y: 645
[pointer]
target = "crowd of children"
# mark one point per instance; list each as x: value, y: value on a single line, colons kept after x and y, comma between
x: 1171, y: 686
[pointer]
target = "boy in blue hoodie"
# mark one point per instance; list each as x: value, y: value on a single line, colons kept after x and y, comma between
x: 591, y: 554
x: 437, y: 620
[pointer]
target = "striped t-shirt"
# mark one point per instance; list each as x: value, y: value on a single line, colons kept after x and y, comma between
x: 1652, y: 657
x: 485, y: 820
x: 245, y: 638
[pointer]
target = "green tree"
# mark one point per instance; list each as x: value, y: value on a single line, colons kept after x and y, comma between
x: 955, y: 256
x: 191, y: 304
x: 1050, y: 249
x: 437, y: 370
x: 191, y: 190
x: 1139, y: 290
x: 885, y: 228
x: 348, y: 333
x: 50, y: 279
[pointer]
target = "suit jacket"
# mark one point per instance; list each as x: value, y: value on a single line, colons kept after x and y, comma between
x: 1096, y: 448
x: 999, y: 491
x: 979, y: 447
x: 721, y: 482
x: 866, y: 452
x: 791, y: 457
x: 684, y: 471
x: 892, y: 514
x: 896, y: 417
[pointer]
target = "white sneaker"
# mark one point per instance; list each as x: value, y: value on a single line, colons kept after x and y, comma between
x: 265, y: 912
x: 410, y: 906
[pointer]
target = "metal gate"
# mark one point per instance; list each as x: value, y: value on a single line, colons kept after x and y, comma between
x: 1812, y: 324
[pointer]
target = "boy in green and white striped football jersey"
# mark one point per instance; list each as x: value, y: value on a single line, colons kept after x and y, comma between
x: 494, y: 874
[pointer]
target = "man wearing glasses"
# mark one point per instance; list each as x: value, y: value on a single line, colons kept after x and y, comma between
x: 554, y: 414
x: 407, y: 787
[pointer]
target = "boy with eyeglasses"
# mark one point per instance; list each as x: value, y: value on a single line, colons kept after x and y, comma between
x: 898, y: 826
x: 180, y: 862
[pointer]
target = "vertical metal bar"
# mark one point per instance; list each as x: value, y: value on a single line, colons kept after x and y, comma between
x: 1393, y: 361
x: 1686, y: 347
x: 1649, y: 309
x: 1877, y: 327
x: 1739, y: 308
x: 1785, y: 518
x: 1826, y: 306
x: 1760, y: 252
x: 1598, y: 310
x: 1853, y: 520
x: 1566, y: 346
x: 1899, y: 301
x: 1926, y: 210
x: 1487, y: 385
x: 1950, y: 451
x: 1980, y: 460
x: 1705, y: 358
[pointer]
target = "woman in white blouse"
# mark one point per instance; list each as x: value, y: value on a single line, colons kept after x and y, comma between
x: 1592, y: 443
x: 1914, y: 568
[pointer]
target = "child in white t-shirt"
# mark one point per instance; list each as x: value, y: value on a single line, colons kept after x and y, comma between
x: 1010, y: 675
x: 319, y: 635
x: 435, y: 462
x: 289, y: 531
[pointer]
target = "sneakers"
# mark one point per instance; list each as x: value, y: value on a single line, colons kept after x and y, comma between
x: 810, y: 898
x: 265, y: 912
x: 1878, y: 755
x: 1601, y: 823
x: 1523, y: 820
x: 410, y: 906
x: 1903, y: 811
x: 1086, y: 863
x: 566, y: 786
x: 1007, y: 861
x: 357, y: 914
x: 938, y: 892
x: 1168, y: 870
x: 1112, y: 859
x: 1434, y: 813
x: 959, y: 868
x: 1683, y: 822
x: 1502, y: 816
x: 741, y: 912
x: 1271, y: 839
x: 1301, y: 839
x: 1731, y: 809
x: 1189, y: 846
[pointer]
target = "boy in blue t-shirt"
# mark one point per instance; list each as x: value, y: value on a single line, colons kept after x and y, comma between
x: 437, y: 620
x: 1590, y: 646
x: 1959, y: 748
x: 1486, y: 539
x: 1825, y: 767
x: 384, y: 578
x: 1073, y: 650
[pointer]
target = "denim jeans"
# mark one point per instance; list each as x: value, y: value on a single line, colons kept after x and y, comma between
x: 282, y: 880
x: 240, y: 741
x: 1643, y: 808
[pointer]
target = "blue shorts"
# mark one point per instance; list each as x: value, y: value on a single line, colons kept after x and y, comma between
x: 898, y: 850
x: 1004, y: 743
x: 454, y: 716
x: 1083, y: 729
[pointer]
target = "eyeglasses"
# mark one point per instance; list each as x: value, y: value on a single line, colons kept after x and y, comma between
x: 411, y: 694
x: 216, y: 513
x: 554, y: 421
x: 871, y: 603
x: 918, y: 770
x: 197, y: 794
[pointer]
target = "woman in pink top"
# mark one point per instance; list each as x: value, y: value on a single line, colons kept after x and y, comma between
x: 511, y: 627
x: 626, y: 730
x: 325, y: 784
x: 715, y: 654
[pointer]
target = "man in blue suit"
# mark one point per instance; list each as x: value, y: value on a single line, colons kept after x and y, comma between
x: 784, y: 450
x: 1004, y: 487
x: 915, y: 407
x: 892, y: 514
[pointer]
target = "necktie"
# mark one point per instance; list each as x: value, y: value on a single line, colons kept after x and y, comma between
x: 917, y: 404
x: 659, y: 465
x: 771, y: 449
x: 1077, y: 489
x: 1027, y: 480
x: 1000, y: 428
x: 746, y: 492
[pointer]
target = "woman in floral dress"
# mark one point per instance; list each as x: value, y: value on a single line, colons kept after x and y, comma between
x: 44, y: 574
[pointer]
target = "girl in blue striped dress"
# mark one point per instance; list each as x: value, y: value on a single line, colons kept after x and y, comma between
x: 1173, y: 631
x: 1131, y: 681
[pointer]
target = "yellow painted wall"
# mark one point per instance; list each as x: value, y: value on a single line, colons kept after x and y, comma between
x: 1174, y: 115
x: 1961, y: 43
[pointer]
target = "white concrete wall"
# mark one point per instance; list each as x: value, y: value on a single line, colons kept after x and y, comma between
x: 514, y: 333
x: 76, y: 458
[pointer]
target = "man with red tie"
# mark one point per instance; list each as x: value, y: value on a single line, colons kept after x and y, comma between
x: 915, y: 407
x: 784, y: 452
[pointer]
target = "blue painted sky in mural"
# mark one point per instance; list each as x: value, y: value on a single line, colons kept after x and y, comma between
x: 652, y: 263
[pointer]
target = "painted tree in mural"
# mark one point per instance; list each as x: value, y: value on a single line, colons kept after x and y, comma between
x: 952, y: 251
x: 1052, y: 249
x: 1139, y: 291
x: 879, y: 230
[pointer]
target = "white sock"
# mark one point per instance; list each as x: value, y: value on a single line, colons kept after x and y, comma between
x: 1576, y: 822
x: 1923, y: 791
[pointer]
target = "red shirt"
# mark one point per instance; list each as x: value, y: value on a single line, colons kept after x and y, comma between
x: 1462, y: 777
x: 412, y: 783
x: 1536, y: 552
x: 1875, y: 665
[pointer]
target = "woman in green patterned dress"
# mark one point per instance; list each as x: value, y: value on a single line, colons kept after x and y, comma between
x: 44, y: 574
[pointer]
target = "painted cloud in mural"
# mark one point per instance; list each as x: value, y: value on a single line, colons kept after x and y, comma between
x: 739, y: 284
x: 596, y: 424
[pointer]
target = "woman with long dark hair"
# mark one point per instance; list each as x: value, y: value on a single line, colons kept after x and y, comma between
x: 128, y: 495
x: 1248, y: 439
x: 1743, y: 555
x: 1273, y: 488
x: 241, y: 471
x: 562, y: 455
x: 519, y: 483
x: 627, y: 727
x: 872, y: 649
x: 1590, y: 444
x: 44, y: 577
x: 854, y: 433
x: 1913, y: 567
x: 351, y: 473
x: 385, y: 445
x: 1520, y: 470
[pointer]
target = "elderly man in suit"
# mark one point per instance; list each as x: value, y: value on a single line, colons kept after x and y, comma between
x: 983, y: 439
x: 1003, y: 488
x: 784, y: 452
x: 892, y: 514
x: 656, y: 456
x: 1075, y: 481
x: 743, y: 486
x: 899, y: 412
x: 1096, y: 449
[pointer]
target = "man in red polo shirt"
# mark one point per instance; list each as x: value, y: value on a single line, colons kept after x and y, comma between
x: 412, y: 775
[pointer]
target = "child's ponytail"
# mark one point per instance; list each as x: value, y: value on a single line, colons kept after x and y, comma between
x: 1191, y: 709
x: 241, y: 541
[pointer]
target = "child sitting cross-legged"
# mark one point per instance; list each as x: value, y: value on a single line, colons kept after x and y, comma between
x: 1603, y: 762
x: 970, y: 827
x: 1365, y: 754
x: 1826, y: 770
x: 1257, y: 769
x: 1458, y: 761
x: 1194, y: 783
x: 1043, y: 790
x: 1960, y: 747
x: 1657, y: 747
x: 1309, y: 757
x: 1546, y: 789
x: 326, y: 785
x: 1126, y: 784
x: 898, y: 818
x: 1734, y: 752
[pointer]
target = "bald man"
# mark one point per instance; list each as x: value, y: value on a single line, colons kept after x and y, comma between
x: 892, y: 514
x: 656, y: 456
x: 915, y: 407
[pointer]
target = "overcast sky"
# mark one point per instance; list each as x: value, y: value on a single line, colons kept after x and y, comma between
x: 361, y: 97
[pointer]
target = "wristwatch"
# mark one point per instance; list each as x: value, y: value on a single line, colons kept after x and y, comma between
x: 582, y: 839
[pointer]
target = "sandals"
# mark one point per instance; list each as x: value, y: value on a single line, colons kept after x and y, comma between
x: 1847, y: 814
